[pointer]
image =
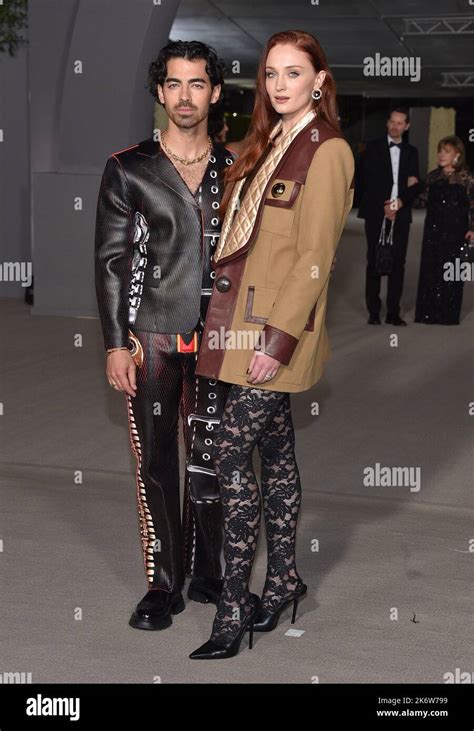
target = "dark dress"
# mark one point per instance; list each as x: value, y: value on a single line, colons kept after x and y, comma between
x: 449, y: 199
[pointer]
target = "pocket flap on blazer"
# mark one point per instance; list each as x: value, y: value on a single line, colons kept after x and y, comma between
x: 258, y: 306
x: 282, y: 193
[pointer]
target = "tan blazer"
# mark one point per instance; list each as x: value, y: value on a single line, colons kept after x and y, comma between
x: 273, y: 291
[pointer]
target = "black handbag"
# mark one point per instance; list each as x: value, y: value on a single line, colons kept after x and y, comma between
x: 384, y: 250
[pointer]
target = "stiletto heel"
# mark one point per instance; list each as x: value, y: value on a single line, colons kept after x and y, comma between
x: 295, y: 607
x: 251, y: 635
x: 266, y: 621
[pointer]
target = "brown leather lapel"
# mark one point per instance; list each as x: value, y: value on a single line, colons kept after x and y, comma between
x: 293, y: 165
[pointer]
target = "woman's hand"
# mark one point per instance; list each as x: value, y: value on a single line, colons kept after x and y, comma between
x: 469, y: 236
x: 262, y: 365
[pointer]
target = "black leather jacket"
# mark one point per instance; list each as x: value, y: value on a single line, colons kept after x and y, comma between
x: 153, y: 242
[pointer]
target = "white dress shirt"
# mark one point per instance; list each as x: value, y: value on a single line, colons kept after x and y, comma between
x: 395, y: 158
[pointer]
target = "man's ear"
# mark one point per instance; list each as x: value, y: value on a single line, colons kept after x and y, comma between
x: 408, y: 126
x: 159, y: 90
x: 216, y: 92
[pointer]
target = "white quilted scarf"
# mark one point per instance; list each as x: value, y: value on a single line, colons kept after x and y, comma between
x: 236, y: 230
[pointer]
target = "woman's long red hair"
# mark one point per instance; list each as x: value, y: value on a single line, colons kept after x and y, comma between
x: 264, y: 116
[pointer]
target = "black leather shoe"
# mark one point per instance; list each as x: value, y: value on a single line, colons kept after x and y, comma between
x: 265, y: 621
x: 205, y: 590
x: 213, y: 651
x: 373, y: 320
x: 155, y: 609
x: 394, y: 320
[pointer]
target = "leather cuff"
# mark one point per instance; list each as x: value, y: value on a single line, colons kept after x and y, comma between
x: 277, y: 343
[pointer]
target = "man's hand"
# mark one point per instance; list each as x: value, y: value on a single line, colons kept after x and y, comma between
x: 260, y: 366
x: 391, y: 207
x: 121, y: 371
x: 469, y: 236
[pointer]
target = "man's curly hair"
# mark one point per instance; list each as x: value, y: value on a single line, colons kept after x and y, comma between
x: 190, y: 50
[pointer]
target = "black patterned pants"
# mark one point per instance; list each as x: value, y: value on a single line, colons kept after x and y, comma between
x: 261, y: 418
x: 173, y: 543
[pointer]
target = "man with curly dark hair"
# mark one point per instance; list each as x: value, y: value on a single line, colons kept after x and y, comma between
x: 156, y: 229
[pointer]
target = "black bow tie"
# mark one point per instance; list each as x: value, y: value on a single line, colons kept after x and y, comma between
x: 395, y: 144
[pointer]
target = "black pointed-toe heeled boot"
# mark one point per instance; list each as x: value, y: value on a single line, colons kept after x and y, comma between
x: 212, y: 650
x: 266, y: 620
x: 155, y: 609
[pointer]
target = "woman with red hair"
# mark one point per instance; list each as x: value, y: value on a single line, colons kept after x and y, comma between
x: 285, y: 204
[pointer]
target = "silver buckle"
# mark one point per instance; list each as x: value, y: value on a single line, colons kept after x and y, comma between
x: 203, y: 470
x: 208, y: 419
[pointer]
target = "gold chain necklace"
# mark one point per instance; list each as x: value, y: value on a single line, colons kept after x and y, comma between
x: 183, y: 159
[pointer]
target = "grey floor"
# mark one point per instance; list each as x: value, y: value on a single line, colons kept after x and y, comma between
x: 71, y: 563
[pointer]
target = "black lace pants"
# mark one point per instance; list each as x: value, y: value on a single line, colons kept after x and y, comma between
x: 256, y: 417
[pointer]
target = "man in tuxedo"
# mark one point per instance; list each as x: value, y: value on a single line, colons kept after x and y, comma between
x: 389, y: 179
